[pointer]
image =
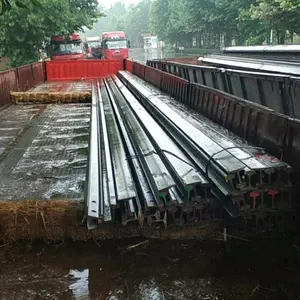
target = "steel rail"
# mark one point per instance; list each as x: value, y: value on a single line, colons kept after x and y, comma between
x: 124, y: 183
x: 248, y: 184
x: 157, y: 175
x: 95, y: 208
x: 178, y: 164
x: 112, y: 198
x: 266, y: 65
x: 220, y: 188
x: 225, y: 160
x: 137, y: 170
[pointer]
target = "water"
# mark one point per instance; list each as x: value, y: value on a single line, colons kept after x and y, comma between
x: 144, y: 55
x: 153, y: 270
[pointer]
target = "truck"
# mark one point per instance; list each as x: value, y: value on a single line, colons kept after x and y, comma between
x: 114, y: 45
x: 93, y: 46
x: 66, y: 47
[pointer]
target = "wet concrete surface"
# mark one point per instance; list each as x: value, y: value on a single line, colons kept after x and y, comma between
x: 151, y: 270
x: 13, y: 121
x: 45, y: 156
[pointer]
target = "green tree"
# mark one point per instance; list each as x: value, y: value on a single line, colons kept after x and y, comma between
x: 136, y: 22
x: 279, y: 15
x: 7, y: 5
x: 159, y: 18
x: 25, y: 31
x: 246, y: 21
x: 113, y: 20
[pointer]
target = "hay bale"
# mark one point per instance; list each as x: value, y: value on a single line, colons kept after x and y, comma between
x: 31, y: 219
x: 31, y: 97
x: 62, y: 219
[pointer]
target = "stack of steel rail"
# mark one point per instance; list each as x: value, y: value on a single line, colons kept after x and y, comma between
x: 147, y: 161
x: 282, y: 66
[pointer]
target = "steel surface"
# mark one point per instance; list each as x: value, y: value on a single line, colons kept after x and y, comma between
x: 110, y: 193
x: 178, y: 162
x: 226, y: 160
x: 94, y: 201
x: 157, y: 174
x: 137, y: 169
x: 253, y: 64
x: 124, y: 182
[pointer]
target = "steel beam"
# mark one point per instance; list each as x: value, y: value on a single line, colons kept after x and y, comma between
x: 142, y: 184
x: 157, y: 174
x: 179, y: 165
x: 125, y: 187
x: 94, y: 204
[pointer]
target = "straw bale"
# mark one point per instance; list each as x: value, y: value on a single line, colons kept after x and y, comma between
x: 60, y: 219
x: 50, y: 97
x: 38, y: 219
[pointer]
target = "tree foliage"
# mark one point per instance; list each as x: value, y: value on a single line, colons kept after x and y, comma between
x: 245, y: 21
x: 25, y: 31
x: 27, y: 24
x: 159, y: 18
x: 112, y: 20
x: 7, y: 5
x: 134, y: 21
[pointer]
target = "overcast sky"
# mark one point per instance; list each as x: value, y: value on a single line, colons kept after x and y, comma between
x: 107, y: 3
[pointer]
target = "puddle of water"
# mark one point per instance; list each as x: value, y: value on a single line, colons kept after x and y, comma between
x: 61, y: 187
x: 180, y: 270
x: 80, y: 287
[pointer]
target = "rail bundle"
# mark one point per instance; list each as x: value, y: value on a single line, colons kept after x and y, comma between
x: 158, y: 165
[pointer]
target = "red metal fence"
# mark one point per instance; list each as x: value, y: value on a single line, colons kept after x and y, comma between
x: 20, y: 79
x: 82, y: 69
x: 8, y: 82
x: 129, y: 65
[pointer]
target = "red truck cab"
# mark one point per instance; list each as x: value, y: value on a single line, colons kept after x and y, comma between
x: 66, y: 47
x: 93, y: 47
x: 114, y: 45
